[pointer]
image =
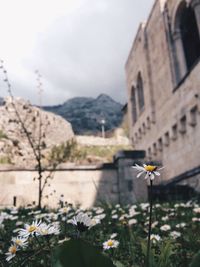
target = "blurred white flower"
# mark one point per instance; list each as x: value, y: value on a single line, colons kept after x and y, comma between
x: 11, y: 252
x: 19, y: 223
x: 196, y: 210
x: 180, y: 225
x: 99, y: 210
x: 64, y: 210
x: 155, y: 238
x: 144, y: 206
x: 196, y: 219
x: 113, y: 211
x: 113, y: 235
x: 82, y: 221
x: 115, y: 216
x: 111, y: 243
x: 165, y: 227
x: 175, y: 234
x: 132, y: 221
x: 52, y: 229
x: 20, y: 241
x: 166, y: 218
x: 154, y: 224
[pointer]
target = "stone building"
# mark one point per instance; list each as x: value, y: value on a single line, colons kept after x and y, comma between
x: 163, y: 82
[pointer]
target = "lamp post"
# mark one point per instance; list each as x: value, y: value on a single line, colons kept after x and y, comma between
x: 103, y: 128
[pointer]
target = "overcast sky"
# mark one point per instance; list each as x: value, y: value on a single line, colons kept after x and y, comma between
x: 79, y: 46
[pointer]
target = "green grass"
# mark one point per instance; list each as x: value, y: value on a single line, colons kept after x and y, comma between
x: 104, y: 152
x: 5, y: 160
x: 2, y: 135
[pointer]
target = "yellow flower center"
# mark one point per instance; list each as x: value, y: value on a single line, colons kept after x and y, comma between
x: 150, y: 168
x: 110, y: 243
x: 18, y: 242
x: 13, y: 250
x: 32, y: 228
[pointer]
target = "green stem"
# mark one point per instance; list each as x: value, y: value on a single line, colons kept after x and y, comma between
x: 150, y: 223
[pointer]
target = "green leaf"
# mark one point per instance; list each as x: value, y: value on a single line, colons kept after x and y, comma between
x: 195, y: 260
x: 77, y: 253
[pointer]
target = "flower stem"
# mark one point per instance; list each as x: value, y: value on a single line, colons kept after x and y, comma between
x: 150, y: 223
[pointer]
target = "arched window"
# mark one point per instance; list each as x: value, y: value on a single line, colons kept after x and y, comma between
x: 140, y: 92
x: 190, y: 36
x: 133, y: 105
x: 186, y: 38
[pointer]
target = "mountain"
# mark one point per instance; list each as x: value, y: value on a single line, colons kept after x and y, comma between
x: 85, y: 113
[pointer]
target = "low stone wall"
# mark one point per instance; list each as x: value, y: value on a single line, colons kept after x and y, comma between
x: 78, y: 185
x: 85, y: 185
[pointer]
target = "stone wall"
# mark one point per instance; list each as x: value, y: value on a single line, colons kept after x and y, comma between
x: 168, y: 127
x: 84, y: 185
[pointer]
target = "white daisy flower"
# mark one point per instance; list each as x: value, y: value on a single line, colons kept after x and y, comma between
x: 52, y: 229
x: 30, y: 230
x: 20, y: 241
x: 115, y: 216
x: 132, y: 221
x: 82, y: 221
x: 154, y: 224
x: 180, y: 225
x: 194, y: 219
x: 175, y: 234
x: 165, y: 227
x: 111, y: 243
x: 64, y: 210
x: 196, y: 210
x: 165, y: 218
x: 155, y: 238
x: 11, y: 252
x: 149, y: 170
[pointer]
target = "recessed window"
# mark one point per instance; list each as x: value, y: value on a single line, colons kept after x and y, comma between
x: 186, y: 39
x: 144, y: 128
x: 166, y: 139
x: 183, y: 121
x: 160, y: 144
x: 148, y: 123
x: 189, y: 35
x: 174, y: 132
x: 136, y: 137
x: 140, y: 133
x: 133, y: 105
x: 193, y: 116
x: 154, y: 148
x: 140, y: 92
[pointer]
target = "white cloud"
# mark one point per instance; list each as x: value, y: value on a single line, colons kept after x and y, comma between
x: 79, y: 46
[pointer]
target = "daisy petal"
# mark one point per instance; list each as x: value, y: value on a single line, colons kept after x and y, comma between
x: 139, y: 174
x: 152, y: 176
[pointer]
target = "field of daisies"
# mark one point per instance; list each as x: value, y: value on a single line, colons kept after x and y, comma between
x: 106, y: 235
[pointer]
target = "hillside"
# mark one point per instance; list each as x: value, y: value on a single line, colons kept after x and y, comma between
x: 14, y: 147
x: 85, y: 113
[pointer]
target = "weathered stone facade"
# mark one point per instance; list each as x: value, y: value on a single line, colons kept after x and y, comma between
x: 163, y: 84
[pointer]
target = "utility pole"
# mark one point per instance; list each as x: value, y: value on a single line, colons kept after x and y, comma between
x: 103, y: 128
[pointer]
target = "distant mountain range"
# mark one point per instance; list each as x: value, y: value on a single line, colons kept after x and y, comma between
x: 1, y: 101
x: 86, y: 113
